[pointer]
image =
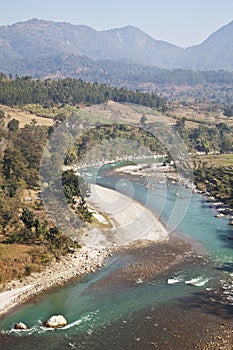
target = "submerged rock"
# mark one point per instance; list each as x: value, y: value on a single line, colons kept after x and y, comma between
x: 55, y: 322
x: 20, y: 326
x: 220, y: 215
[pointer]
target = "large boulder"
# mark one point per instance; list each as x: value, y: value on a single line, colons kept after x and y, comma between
x: 21, y: 326
x: 55, y: 322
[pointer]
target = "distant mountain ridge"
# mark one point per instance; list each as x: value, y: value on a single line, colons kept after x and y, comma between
x: 36, y: 42
x: 216, y: 52
x: 39, y: 36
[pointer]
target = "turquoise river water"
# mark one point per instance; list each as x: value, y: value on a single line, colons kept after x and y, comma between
x: 101, y: 316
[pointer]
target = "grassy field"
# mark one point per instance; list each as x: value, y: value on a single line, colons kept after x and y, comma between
x: 199, y: 113
x: 216, y: 160
x: 18, y: 261
x: 195, y: 114
x: 123, y: 113
x: 24, y: 117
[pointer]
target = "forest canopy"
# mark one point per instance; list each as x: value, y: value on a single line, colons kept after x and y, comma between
x: 26, y: 90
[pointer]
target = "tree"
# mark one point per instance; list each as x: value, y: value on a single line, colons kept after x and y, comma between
x: 10, y: 187
x: 226, y: 144
x: 228, y: 111
x: 143, y: 120
x: 60, y: 117
x: 30, y: 141
x: 50, y: 130
x: 13, y: 164
x: 28, y: 218
x: 13, y: 125
x: 34, y: 122
x: 180, y: 125
x: 73, y: 185
x: 2, y: 116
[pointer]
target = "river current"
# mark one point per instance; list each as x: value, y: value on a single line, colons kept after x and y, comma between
x: 145, y: 315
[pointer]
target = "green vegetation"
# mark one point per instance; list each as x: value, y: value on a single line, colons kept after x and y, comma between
x: 21, y: 158
x: 23, y: 221
x: 135, y: 76
x: 228, y: 111
x: 13, y: 125
x: 137, y: 140
x: 214, y: 138
x: 214, y: 174
x: 204, y: 84
x: 25, y: 90
x: 75, y: 189
x: 57, y: 112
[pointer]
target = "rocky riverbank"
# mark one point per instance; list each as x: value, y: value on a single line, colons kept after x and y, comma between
x: 152, y: 174
x: 131, y: 222
x: 74, y: 265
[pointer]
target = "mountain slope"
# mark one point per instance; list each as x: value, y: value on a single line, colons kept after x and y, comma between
x: 214, y: 53
x: 38, y: 37
x: 38, y: 45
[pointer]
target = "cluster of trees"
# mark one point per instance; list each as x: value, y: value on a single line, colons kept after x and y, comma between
x: 37, y: 232
x: 120, y: 73
x: 216, y: 138
x: 75, y: 190
x: 25, y: 90
x: 221, y: 94
x: 107, y: 142
x: 21, y: 158
x: 115, y: 73
x: 228, y: 110
x: 28, y: 229
x: 20, y: 161
x: 215, y: 178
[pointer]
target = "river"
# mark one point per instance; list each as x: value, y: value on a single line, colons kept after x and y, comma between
x: 149, y: 314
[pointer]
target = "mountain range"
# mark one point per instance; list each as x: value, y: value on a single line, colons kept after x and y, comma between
x: 45, y: 47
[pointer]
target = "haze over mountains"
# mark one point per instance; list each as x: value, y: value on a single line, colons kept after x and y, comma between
x: 38, y: 45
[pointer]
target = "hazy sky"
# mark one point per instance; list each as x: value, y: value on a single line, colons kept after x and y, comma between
x: 182, y: 22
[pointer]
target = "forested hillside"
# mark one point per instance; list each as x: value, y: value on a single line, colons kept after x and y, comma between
x: 116, y: 73
x: 28, y: 238
x: 45, y: 49
x: 25, y: 90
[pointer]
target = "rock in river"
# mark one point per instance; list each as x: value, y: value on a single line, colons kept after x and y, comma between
x: 56, y: 322
x: 21, y: 326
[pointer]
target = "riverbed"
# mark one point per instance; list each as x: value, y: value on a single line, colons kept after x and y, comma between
x: 123, y: 307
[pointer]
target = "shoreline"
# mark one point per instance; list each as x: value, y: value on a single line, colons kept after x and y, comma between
x: 96, y: 247
x: 132, y: 225
x: 100, y: 163
x: 164, y: 173
x: 130, y: 219
x: 75, y: 265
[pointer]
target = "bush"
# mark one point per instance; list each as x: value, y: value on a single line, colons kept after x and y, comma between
x: 28, y: 270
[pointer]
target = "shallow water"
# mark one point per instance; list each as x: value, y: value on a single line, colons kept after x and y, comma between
x: 101, y: 315
x: 186, y: 213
